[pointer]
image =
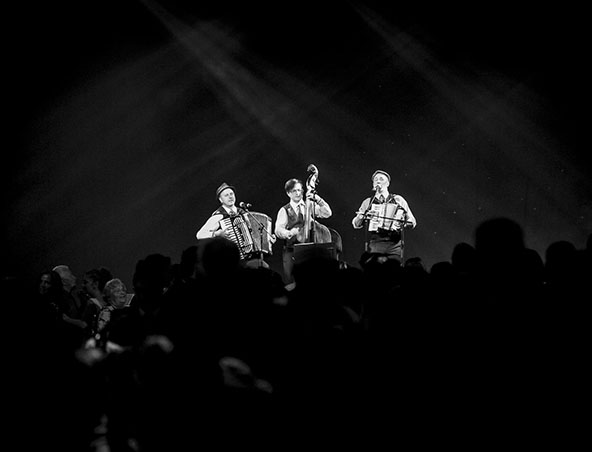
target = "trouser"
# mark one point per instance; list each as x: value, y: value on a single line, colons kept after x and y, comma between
x: 387, y: 248
x: 288, y: 264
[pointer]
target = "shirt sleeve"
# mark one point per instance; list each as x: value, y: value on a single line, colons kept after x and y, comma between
x: 280, y: 224
x: 358, y: 220
x: 210, y: 227
x: 408, y: 214
x: 322, y: 209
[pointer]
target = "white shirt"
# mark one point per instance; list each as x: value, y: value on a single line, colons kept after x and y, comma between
x: 211, y: 226
x: 322, y: 210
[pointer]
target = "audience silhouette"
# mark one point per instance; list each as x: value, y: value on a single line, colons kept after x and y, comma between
x: 485, y: 348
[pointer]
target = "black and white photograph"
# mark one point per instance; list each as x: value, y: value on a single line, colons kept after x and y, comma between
x: 295, y: 224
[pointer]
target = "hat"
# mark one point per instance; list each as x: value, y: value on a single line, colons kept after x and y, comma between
x: 223, y: 187
x: 381, y: 172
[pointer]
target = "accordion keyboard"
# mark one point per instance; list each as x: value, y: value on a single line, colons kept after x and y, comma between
x: 239, y: 232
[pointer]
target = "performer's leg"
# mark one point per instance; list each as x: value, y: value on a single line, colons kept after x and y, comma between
x: 288, y: 263
x: 395, y: 251
x: 386, y: 250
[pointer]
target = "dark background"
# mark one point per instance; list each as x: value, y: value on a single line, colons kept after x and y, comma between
x: 124, y: 116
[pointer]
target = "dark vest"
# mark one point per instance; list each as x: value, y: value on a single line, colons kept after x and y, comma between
x: 293, y: 221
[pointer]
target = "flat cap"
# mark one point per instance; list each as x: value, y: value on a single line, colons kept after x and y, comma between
x: 381, y: 172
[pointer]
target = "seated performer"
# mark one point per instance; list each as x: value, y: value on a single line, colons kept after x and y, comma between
x: 290, y: 221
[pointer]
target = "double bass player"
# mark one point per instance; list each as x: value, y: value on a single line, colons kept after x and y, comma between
x: 296, y: 220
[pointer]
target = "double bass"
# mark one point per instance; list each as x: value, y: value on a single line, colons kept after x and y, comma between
x: 313, y: 231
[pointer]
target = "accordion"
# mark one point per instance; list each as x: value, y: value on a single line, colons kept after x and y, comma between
x: 388, y: 216
x: 238, y: 230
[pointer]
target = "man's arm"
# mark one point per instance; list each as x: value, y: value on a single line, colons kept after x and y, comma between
x: 211, y: 228
x: 358, y: 220
x: 322, y: 208
x: 280, y: 226
x: 412, y: 222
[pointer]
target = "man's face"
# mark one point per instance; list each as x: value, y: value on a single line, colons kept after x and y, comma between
x: 296, y: 193
x: 227, y: 197
x: 44, y: 284
x: 89, y: 286
x: 380, y: 181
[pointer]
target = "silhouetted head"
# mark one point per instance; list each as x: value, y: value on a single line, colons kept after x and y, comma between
x: 188, y: 265
x: 557, y: 253
x: 315, y: 266
x: 499, y: 243
x: 560, y: 259
x: 68, y: 278
x: 442, y: 270
x: 463, y: 257
x: 152, y: 275
x: 220, y: 257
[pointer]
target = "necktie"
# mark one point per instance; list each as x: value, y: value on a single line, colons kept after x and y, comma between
x: 300, y: 214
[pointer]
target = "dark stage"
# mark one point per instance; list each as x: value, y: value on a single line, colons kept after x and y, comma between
x: 124, y: 117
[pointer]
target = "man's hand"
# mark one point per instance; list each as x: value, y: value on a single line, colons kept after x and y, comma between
x: 313, y: 197
x: 292, y: 232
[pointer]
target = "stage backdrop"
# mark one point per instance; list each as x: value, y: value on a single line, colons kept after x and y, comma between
x: 126, y: 115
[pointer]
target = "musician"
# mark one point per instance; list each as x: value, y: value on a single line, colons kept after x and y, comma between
x: 291, y: 218
x: 216, y: 226
x: 213, y: 226
x: 384, y: 223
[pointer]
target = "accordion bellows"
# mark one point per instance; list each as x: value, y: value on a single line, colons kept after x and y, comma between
x: 250, y: 235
